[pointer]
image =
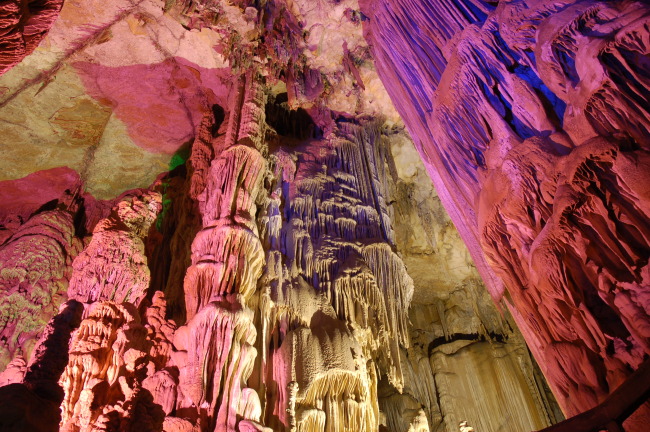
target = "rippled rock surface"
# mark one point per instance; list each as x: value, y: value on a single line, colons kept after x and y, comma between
x: 533, y: 119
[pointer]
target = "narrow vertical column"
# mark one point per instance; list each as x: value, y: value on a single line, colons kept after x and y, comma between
x: 227, y: 261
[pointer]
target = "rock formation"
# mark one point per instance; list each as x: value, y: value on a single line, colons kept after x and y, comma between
x: 24, y: 23
x: 230, y: 229
x: 36, y: 266
x: 532, y: 118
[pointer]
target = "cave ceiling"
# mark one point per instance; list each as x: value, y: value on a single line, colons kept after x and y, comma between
x: 115, y: 89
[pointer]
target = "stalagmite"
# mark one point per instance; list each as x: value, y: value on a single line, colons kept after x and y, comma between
x: 111, y: 352
x: 227, y: 258
x: 113, y: 266
x: 97, y: 353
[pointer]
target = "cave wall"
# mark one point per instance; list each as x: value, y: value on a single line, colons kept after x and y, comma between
x: 24, y: 23
x: 466, y: 358
x: 532, y: 119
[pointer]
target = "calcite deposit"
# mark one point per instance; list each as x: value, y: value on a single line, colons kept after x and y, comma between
x: 23, y: 25
x: 213, y: 218
x: 533, y: 120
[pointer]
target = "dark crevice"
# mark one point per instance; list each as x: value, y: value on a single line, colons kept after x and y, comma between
x: 290, y: 123
x: 474, y: 337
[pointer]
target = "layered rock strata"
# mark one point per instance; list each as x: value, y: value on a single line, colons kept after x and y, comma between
x: 532, y: 118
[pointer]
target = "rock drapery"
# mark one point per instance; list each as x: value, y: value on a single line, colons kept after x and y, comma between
x: 533, y: 119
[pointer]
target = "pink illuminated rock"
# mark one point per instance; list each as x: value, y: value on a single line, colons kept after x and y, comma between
x: 277, y: 259
x: 22, y: 197
x: 36, y: 265
x: 113, y: 266
x: 173, y: 95
x: 162, y: 385
x: 23, y: 25
x: 533, y: 119
x: 15, y: 371
x: 161, y: 331
x: 216, y: 350
x: 99, y: 349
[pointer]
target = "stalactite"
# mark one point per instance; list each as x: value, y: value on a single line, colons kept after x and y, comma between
x: 331, y: 236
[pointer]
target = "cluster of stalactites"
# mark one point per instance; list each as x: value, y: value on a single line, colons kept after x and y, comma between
x: 335, y: 308
x: 341, y: 220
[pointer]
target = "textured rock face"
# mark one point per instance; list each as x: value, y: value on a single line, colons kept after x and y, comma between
x: 532, y: 118
x: 115, y: 377
x: 336, y: 289
x: 36, y: 266
x: 465, y: 358
x: 24, y: 23
x: 71, y: 102
x: 295, y: 298
x: 100, y: 271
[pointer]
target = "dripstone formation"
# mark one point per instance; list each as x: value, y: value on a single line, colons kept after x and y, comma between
x: 218, y: 222
x: 540, y: 153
